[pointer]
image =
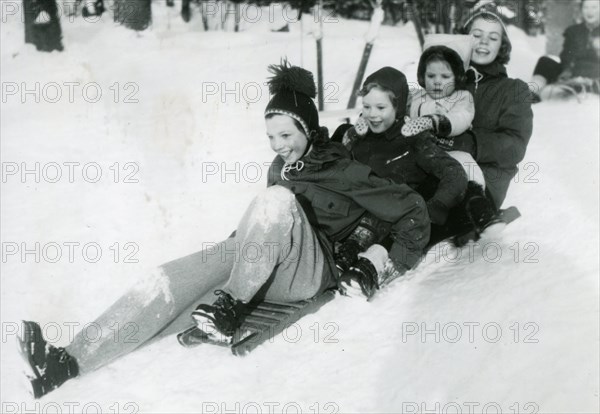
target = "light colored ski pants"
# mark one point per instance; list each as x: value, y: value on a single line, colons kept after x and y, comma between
x: 274, y: 254
x: 472, y: 169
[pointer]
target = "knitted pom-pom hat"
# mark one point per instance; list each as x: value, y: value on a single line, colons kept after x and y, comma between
x: 293, y: 90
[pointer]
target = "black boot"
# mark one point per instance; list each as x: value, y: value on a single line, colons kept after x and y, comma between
x: 480, y: 213
x: 48, y: 367
x: 360, y: 280
x: 221, y: 319
x: 370, y: 230
x: 481, y: 210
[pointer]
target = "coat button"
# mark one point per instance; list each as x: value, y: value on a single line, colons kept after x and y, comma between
x: 293, y: 189
x: 330, y: 205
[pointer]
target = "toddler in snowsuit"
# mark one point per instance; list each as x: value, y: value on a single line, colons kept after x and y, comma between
x: 447, y: 108
x: 444, y: 106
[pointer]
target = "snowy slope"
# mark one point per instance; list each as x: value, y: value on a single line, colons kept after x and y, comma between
x: 512, y: 323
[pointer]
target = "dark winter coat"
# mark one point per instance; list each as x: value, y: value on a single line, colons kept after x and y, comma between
x: 502, y: 125
x: 579, y: 56
x: 335, y: 192
x: 410, y: 160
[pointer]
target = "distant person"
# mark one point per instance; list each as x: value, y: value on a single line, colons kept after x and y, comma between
x: 579, y: 64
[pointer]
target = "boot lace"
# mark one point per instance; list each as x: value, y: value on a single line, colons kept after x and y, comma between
x: 225, y: 303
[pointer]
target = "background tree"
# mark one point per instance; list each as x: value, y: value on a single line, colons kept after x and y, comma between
x: 42, y: 25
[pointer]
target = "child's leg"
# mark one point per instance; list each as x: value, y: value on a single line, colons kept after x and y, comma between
x: 280, y: 253
x: 546, y: 71
x: 473, y: 170
x: 155, y: 307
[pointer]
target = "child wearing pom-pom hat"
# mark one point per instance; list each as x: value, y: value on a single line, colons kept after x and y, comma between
x: 317, y: 196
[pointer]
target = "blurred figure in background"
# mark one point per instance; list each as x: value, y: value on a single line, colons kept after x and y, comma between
x: 579, y: 65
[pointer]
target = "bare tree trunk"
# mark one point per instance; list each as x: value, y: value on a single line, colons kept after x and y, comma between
x: 42, y: 25
x: 416, y: 19
x: 458, y: 13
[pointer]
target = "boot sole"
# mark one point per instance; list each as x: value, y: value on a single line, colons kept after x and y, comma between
x: 206, y: 323
x: 353, y: 290
x: 29, y: 365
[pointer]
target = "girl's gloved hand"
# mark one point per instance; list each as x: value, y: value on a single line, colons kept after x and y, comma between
x: 415, y: 126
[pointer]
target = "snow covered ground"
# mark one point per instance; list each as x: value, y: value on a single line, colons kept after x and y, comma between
x: 507, y: 325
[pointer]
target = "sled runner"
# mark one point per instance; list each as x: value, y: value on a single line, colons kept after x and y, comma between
x: 262, y: 321
x: 575, y: 89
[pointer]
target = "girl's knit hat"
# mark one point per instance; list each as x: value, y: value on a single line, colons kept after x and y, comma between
x: 488, y: 10
x: 293, y: 90
x: 393, y: 80
x: 454, y: 50
x: 462, y: 45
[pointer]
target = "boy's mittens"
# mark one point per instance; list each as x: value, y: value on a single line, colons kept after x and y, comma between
x: 349, y: 138
x: 361, y: 126
x: 415, y: 126
x: 354, y: 133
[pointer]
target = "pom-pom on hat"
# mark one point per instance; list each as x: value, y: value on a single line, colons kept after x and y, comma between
x: 293, y: 89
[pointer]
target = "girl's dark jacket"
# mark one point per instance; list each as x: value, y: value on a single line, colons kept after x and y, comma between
x: 411, y: 161
x: 335, y: 192
x: 502, y: 125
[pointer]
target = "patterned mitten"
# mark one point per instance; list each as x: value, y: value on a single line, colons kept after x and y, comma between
x: 415, y: 126
x: 361, y: 126
x: 355, y: 132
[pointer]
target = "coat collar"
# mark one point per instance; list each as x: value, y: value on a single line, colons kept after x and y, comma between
x: 494, y: 70
x: 390, y: 134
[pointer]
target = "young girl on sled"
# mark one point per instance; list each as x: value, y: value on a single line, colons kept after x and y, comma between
x: 316, y: 196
